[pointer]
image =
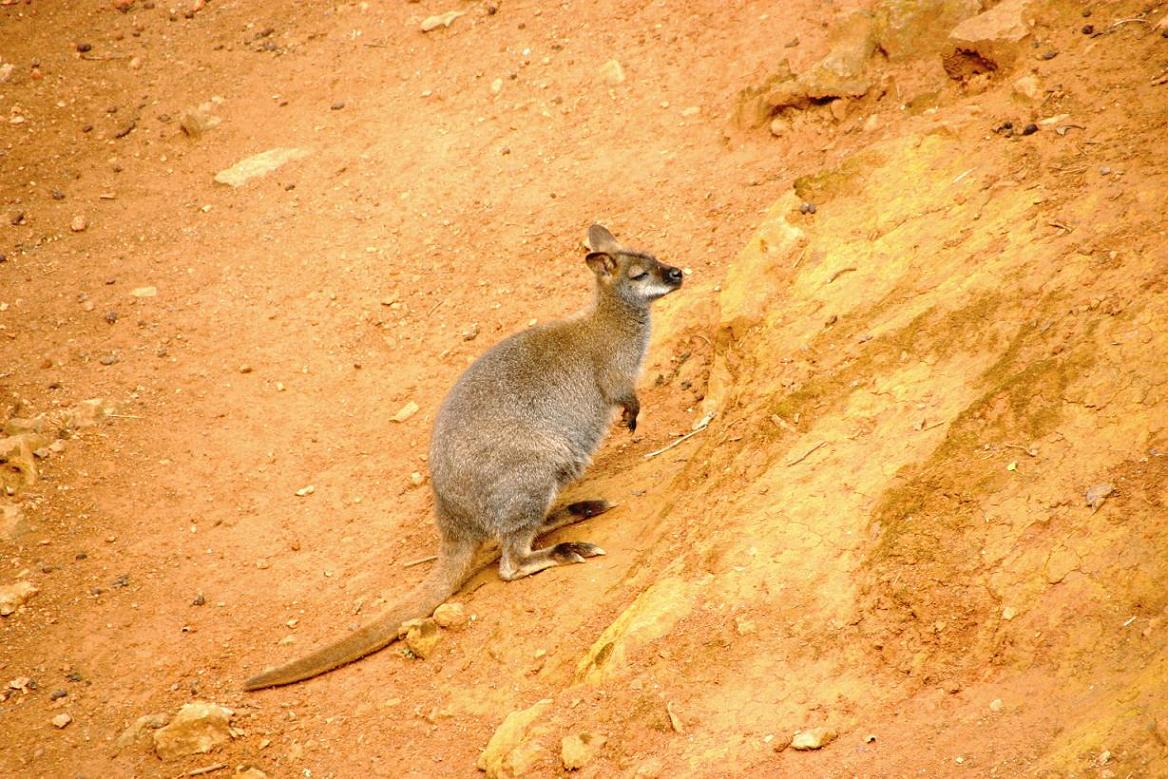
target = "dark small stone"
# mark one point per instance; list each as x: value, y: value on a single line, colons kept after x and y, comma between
x: 3, y: 257
x: 87, y: 128
x: 84, y: 47
x: 505, y: 150
x: 81, y: 556
x: 289, y: 187
x: 1029, y: 129
x: 73, y: 676
x: 807, y: 208
x: 523, y: 25
x: 55, y: 385
x: 96, y: 591
x: 492, y: 9
x: 200, y: 600
x: 121, y: 582
x: 337, y: 106
x: 264, y: 33
x: 47, y: 569
x: 57, y: 695
x: 1088, y: 29
x: 58, y: 194
x: 111, y: 317
x: 18, y: 218
x: 32, y: 684
x: 1049, y: 55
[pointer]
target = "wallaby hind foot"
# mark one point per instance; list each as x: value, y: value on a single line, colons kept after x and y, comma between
x: 520, y: 560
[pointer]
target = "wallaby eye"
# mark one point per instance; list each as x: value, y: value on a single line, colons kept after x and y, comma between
x: 637, y: 273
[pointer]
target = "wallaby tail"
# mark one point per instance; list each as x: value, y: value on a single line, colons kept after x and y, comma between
x: 452, y: 570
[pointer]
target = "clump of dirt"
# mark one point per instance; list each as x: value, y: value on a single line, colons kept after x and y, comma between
x: 918, y: 362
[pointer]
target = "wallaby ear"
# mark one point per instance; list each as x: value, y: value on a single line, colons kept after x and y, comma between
x: 601, y: 240
x: 602, y: 264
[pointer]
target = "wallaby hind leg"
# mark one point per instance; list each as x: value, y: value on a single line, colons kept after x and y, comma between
x: 520, y: 560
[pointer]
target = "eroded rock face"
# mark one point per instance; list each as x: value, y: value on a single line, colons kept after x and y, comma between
x: 907, y: 29
x: 198, y: 728
x: 989, y: 41
x: 516, y: 747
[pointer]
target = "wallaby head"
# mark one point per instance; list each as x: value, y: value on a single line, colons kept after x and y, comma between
x: 635, y: 277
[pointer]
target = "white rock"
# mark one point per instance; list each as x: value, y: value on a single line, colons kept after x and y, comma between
x: 451, y: 616
x: 198, y: 728
x: 816, y: 738
x: 14, y: 596
x: 61, y: 720
x: 440, y: 20
x: 612, y: 72
x: 258, y: 165
x: 405, y: 412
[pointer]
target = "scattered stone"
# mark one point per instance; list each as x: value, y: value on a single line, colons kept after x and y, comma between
x: 195, y: 122
x: 245, y: 368
x: 304, y: 492
x: 57, y: 695
x: 62, y: 720
x: 1009, y: 612
x: 108, y: 359
x: 12, y: 522
x: 1030, y: 129
x: 612, y: 73
x: 1088, y: 29
x: 337, y: 106
x: 1028, y: 87
x: 578, y: 750
x: 6, y: 71
x: 816, y: 738
x: 248, y: 772
x: 258, y: 165
x: 471, y: 332
x: 1100, y: 492
x: 141, y: 731
x: 996, y: 704
x: 198, y: 728
x: 84, y: 47
x: 78, y: 224
x: 807, y: 208
x: 451, y: 616
x: 417, y: 479
x: 22, y: 684
x: 13, y: 596
x: 440, y: 20
x: 405, y: 412
x: 515, y: 748
x: 144, y: 292
x: 422, y: 636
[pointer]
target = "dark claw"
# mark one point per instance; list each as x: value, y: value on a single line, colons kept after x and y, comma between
x: 575, y: 551
x: 588, y: 508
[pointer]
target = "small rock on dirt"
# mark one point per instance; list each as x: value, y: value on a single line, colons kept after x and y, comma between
x: 405, y: 412
x: 451, y: 616
x: 196, y: 121
x: 248, y: 772
x: 144, y: 292
x: 611, y: 72
x: 258, y: 165
x: 13, y: 596
x: 578, y: 749
x: 62, y: 720
x: 196, y: 729
x: 440, y: 20
x: 422, y: 636
x: 816, y: 738
x: 1097, y: 494
x: 78, y: 224
x: 12, y: 522
x: 141, y: 729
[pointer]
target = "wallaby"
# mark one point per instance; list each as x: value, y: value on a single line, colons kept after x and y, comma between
x: 521, y: 423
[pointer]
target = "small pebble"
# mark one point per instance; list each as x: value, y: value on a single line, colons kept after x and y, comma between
x: 1049, y: 55
x: 996, y: 704
x: 1088, y: 29
x: 109, y: 359
x: 1029, y: 129
x: 84, y: 47
x: 61, y: 720
x: 245, y: 368
x: 337, y: 106
x: 111, y: 317
x: 200, y: 600
x: 58, y: 694
x: 78, y: 224
x: 1105, y: 171
x: 807, y: 208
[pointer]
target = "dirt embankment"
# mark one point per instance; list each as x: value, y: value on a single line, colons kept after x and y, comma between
x: 925, y: 323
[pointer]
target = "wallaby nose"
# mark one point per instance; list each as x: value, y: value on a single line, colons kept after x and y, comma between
x: 674, y: 275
